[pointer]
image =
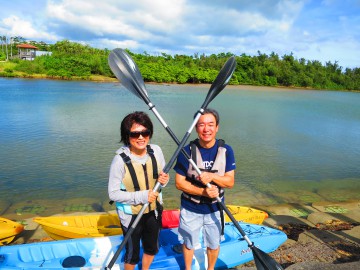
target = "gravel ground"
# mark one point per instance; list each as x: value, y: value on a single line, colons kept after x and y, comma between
x: 314, y: 255
x: 333, y: 252
x: 296, y: 253
x: 327, y: 237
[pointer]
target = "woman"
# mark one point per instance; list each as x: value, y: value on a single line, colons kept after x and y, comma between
x: 134, y: 171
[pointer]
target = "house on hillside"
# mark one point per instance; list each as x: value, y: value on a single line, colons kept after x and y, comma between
x: 27, y: 51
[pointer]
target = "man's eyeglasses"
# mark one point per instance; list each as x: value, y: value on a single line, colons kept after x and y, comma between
x: 136, y: 134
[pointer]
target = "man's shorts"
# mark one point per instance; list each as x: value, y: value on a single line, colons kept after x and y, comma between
x: 193, y: 225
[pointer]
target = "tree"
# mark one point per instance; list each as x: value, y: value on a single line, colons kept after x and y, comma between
x: 71, y: 59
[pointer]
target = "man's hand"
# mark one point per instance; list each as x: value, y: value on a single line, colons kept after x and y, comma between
x: 206, y: 177
x: 212, y: 192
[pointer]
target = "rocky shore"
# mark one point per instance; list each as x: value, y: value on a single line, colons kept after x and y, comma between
x: 320, y: 236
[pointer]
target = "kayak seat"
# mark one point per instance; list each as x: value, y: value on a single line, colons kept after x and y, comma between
x: 73, y: 261
x: 177, y: 248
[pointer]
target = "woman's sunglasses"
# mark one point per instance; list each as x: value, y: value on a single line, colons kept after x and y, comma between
x: 136, y: 134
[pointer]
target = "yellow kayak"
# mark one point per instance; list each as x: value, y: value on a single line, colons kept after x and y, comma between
x: 246, y: 214
x: 8, y: 230
x: 98, y: 225
x: 68, y: 227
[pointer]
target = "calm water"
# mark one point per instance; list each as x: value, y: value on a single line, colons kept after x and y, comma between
x: 58, y: 139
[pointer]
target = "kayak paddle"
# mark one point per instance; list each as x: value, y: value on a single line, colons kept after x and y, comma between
x: 126, y: 70
x: 134, y: 82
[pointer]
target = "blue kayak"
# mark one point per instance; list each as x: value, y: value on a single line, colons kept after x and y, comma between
x: 96, y: 253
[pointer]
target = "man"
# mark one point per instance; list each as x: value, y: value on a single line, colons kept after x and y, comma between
x: 199, y: 207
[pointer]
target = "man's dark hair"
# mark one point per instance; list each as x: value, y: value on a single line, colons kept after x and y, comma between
x: 213, y: 112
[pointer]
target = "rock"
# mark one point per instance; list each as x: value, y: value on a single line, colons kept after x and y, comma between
x: 317, y: 236
x: 352, y: 235
x: 352, y: 217
x: 324, y: 266
x: 337, y: 207
x: 278, y: 220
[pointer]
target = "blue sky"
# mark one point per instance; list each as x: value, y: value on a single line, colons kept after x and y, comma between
x: 327, y: 30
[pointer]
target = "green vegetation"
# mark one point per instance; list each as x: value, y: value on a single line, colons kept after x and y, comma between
x: 71, y: 60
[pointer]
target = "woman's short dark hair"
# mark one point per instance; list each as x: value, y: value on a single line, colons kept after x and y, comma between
x: 137, y: 117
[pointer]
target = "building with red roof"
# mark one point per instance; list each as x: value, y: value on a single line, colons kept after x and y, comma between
x: 27, y: 51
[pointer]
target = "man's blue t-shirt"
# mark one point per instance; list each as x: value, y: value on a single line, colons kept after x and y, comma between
x: 208, y: 156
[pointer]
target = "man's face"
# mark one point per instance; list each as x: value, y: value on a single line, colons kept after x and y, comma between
x: 206, y: 128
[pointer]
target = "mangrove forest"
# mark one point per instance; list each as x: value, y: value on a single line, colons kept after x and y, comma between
x: 70, y: 60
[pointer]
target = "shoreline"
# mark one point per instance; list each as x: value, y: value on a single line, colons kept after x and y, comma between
x: 104, y: 79
x: 326, y: 235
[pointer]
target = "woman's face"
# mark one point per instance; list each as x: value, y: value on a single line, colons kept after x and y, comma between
x: 139, y: 138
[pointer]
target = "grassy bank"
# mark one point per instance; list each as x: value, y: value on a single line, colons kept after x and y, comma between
x: 7, y: 71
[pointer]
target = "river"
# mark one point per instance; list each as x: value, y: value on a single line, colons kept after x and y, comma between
x: 58, y: 139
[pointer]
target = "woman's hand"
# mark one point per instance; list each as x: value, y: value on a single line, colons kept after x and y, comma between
x: 163, y: 178
x: 152, y: 196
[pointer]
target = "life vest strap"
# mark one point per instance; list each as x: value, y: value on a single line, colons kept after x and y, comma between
x: 154, y: 162
x: 131, y: 169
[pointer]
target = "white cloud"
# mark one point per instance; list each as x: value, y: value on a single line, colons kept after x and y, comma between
x: 322, y: 29
x: 349, y: 52
x: 110, y: 43
x: 133, y: 19
x: 19, y: 27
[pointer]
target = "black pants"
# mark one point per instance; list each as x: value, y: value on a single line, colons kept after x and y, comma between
x: 147, y: 230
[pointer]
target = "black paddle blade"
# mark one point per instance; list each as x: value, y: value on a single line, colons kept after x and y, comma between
x: 264, y: 261
x: 128, y: 73
x: 221, y: 80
